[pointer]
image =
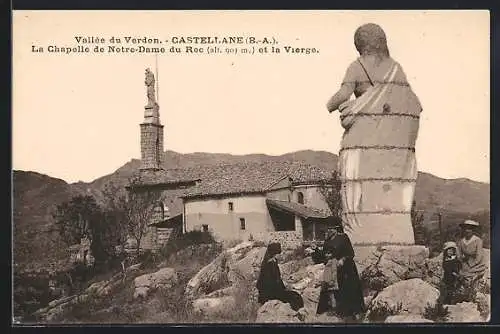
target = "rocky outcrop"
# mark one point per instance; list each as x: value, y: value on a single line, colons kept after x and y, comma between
x: 387, y: 265
x: 407, y: 318
x: 57, y: 308
x: 210, y: 307
x: 463, y: 312
x: 275, y: 311
x: 162, y: 279
x: 405, y: 297
x: 241, y: 262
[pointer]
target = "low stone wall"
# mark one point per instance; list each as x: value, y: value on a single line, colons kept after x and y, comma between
x: 288, y: 239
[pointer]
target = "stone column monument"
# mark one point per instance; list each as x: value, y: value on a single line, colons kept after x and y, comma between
x: 151, y: 129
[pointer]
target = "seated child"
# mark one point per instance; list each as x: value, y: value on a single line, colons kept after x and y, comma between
x: 451, y: 277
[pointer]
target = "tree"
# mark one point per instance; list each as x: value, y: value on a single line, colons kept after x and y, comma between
x: 330, y: 190
x: 77, y: 218
x: 83, y: 217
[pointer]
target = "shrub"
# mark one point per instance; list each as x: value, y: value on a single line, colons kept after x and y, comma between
x: 437, y: 312
x: 382, y: 311
x: 372, y: 278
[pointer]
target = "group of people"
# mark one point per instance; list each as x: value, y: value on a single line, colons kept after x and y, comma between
x: 341, y: 293
x: 464, y: 266
x: 341, y: 290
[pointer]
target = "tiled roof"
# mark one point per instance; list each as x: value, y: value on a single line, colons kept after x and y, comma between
x: 244, y: 178
x: 167, y: 178
x: 298, y: 209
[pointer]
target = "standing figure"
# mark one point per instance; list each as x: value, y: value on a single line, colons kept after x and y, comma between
x: 451, y: 274
x: 270, y: 284
x: 329, y: 285
x: 150, y: 84
x: 349, y: 297
x: 470, y: 250
x: 377, y: 157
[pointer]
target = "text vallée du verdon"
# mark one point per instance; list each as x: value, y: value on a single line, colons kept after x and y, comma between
x: 173, y: 45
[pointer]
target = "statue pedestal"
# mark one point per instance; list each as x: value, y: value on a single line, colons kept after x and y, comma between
x: 151, y: 114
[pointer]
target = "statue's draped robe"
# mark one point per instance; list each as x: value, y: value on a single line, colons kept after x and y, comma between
x: 377, y: 161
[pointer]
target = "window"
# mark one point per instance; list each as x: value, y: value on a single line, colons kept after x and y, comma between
x: 230, y: 206
x: 204, y: 228
x: 242, y: 224
x: 300, y: 198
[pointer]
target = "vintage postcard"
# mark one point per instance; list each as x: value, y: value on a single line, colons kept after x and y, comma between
x: 251, y: 167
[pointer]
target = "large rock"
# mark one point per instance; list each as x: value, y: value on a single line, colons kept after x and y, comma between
x: 213, y: 307
x: 308, y: 316
x: 390, y: 264
x: 164, y: 278
x: 406, y: 318
x: 277, y: 312
x: 463, y: 312
x: 248, y: 266
x: 241, y: 262
x: 405, y: 297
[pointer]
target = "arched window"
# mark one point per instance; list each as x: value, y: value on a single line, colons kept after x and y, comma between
x: 159, y: 211
x: 300, y: 197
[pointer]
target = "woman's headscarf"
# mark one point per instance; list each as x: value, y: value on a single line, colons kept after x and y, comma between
x: 370, y: 39
x: 273, y: 249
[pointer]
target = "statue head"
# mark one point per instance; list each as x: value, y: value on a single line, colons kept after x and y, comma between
x: 370, y: 39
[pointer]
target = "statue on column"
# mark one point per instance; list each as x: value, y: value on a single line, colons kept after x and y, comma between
x: 150, y: 84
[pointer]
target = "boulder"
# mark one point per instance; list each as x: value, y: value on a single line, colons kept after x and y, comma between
x: 364, y: 256
x: 406, y: 318
x: 248, y: 266
x: 162, y: 279
x: 213, y: 307
x: 409, y: 296
x: 310, y: 296
x: 291, y: 270
x: 275, y: 311
x: 241, y: 262
x: 390, y: 264
x: 308, y: 316
x: 463, y: 312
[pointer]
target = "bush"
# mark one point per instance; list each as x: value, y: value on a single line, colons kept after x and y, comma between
x: 382, y: 311
x: 437, y: 312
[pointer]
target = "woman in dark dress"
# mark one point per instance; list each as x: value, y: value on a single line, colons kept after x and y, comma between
x: 270, y: 284
x: 349, y: 297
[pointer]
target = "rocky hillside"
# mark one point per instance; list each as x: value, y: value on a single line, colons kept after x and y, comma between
x: 35, y: 195
x: 200, y: 284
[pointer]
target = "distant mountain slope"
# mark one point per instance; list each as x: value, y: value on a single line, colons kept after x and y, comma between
x: 35, y: 194
x: 34, y: 197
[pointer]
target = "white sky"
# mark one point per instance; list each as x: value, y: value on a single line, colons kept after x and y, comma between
x: 77, y: 117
